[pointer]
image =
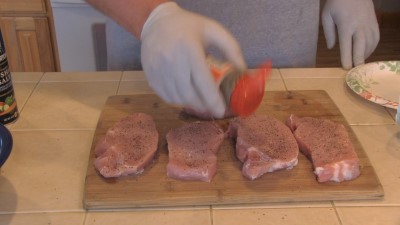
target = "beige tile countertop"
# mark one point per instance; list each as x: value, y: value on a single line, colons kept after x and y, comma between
x: 43, y: 180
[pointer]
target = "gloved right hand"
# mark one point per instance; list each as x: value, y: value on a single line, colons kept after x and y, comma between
x: 173, y: 54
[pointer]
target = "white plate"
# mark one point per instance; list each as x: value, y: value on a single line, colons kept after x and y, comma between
x: 377, y: 82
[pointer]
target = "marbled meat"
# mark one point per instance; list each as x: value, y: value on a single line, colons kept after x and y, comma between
x: 192, y: 151
x: 128, y: 146
x: 328, y: 146
x: 264, y: 144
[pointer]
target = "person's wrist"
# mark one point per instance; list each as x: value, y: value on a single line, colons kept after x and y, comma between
x: 159, y: 10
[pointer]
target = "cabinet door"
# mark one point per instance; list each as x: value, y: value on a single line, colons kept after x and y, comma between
x: 22, y: 6
x: 28, y: 44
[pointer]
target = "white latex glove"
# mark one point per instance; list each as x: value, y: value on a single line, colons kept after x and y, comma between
x: 357, y: 27
x: 173, y: 57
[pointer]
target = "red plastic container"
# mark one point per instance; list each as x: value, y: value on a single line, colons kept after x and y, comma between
x: 243, y: 90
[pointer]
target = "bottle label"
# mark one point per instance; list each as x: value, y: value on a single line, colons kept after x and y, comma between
x: 8, y: 105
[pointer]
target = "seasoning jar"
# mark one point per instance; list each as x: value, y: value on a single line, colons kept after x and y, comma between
x: 243, y: 91
x: 8, y: 104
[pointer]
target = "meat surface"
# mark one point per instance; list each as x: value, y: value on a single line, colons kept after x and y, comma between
x: 264, y: 144
x: 206, y: 115
x: 128, y: 146
x: 192, y: 151
x: 328, y: 146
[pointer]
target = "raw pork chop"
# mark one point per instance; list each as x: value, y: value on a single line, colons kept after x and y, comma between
x: 193, y: 151
x: 128, y: 146
x: 328, y: 146
x: 206, y: 115
x: 264, y: 144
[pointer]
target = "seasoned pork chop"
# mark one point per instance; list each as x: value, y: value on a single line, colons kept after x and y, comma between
x: 206, y: 115
x: 328, y: 146
x: 128, y: 146
x: 192, y: 151
x: 264, y: 144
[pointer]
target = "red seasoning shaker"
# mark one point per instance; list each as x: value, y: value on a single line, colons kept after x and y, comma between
x: 8, y: 105
x: 243, y: 90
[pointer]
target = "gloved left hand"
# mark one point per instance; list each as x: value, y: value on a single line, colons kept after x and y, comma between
x: 357, y: 28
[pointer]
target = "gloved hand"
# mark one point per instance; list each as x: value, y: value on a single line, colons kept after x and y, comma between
x: 357, y: 27
x: 173, y: 55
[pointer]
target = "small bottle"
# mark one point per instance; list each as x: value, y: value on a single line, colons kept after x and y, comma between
x: 243, y: 90
x: 8, y: 105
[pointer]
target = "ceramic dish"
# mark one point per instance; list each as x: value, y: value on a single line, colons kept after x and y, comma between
x: 378, y: 82
x: 6, y: 143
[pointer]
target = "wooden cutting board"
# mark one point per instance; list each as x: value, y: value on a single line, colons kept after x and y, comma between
x: 153, y: 188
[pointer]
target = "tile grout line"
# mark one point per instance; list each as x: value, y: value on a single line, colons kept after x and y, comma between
x: 371, y: 124
x: 21, y: 109
x: 333, y: 206
x: 387, y: 111
x: 33, y: 90
x: 211, y: 215
x: 283, y: 80
x: 53, y: 129
x: 85, y: 218
x: 80, y: 81
x: 336, y: 213
x: 119, y: 83
x: 42, y: 77
x: 43, y: 211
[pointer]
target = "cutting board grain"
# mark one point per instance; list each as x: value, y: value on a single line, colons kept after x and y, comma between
x: 153, y: 188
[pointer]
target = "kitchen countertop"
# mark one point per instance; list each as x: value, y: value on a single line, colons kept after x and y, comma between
x: 43, y: 180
